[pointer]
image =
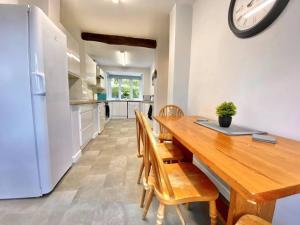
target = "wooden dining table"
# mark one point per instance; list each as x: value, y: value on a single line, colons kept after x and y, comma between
x: 257, y: 173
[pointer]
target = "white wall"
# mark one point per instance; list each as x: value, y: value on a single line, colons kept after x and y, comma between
x: 179, y: 54
x: 9, y: 1
x: 162, y: 66
x: 260, y: 75
x: 144, y: 71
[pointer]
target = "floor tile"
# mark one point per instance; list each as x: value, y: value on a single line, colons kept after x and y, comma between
x: 100, y: 189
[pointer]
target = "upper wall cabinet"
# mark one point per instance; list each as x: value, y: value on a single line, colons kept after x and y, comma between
x: 90, y: 71
x: 73, y: 57
x: 101, y: 78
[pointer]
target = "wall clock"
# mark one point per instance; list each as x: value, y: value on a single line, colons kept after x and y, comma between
x: 249, y: 17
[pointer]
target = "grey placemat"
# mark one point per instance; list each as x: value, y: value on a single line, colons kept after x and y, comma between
x: 233, y: 130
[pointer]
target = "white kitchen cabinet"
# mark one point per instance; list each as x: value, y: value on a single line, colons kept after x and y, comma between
x: 73, y: 56
x: 88, y: 128
x: 101, y: 79
x: 90, y: 71
x: 73, y: 64
x: 132, y: 106
x: 119, y: 110
x: 84, y: 127
x: 76, y: 153
x: 101, y: 117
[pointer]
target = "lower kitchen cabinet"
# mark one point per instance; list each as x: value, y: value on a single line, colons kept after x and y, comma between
x: 132, y: 106
x: 119, y: 110
x: 101, y: 117
x: 84, y: 126
x: 125, y: 109
x: 88, y: 123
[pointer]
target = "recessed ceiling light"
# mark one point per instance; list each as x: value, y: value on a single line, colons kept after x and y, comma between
x: 123, y: 56
x: 116, y: 1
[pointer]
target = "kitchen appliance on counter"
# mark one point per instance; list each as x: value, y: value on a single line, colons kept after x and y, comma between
x: 148, y: 98
x: 101, y: 96
x: 35, y: 131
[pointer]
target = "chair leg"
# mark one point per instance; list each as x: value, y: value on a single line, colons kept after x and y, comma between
x: 141, y: 172
x: 143, y: 197
x: 148, y: 202
x: 213, y: 212
x: 160, y: 214
x: 180, y: 215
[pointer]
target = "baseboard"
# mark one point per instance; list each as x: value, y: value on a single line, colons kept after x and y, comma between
x: 95, y: 135
x: 77, y: 156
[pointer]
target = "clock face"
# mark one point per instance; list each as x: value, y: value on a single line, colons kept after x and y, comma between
x: 248, y: 13
x: 249, y: 17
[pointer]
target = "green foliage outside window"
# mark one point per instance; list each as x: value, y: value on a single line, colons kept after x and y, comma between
x: 114, y: 88
x: 136, y: 88
x: 128, y: 88
x: 125, y: 89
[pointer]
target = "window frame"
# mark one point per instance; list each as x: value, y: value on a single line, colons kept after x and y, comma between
x: 141, y: 88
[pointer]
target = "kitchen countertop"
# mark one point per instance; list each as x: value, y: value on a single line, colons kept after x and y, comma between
x: 83, y: 102
x: 130, y: 101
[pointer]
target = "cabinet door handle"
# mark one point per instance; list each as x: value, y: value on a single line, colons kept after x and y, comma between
x: 39, y: 84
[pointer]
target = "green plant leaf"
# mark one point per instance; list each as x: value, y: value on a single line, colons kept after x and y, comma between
x: 226, y: 109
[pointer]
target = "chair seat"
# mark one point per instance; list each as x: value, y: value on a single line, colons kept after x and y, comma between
x: 169, y: 151
x: 165, y: 137
x: 251, y: 220
x: 189, y: 184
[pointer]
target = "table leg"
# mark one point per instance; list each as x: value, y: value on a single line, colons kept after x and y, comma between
x: 188, y: 155
x: 240, y: 206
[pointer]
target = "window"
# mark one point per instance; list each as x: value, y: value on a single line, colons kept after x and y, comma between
x: 114, y: 83
x: 125, y: 87
x: 136, y: 88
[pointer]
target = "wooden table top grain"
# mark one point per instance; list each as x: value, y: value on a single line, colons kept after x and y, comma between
x: 258, y: 171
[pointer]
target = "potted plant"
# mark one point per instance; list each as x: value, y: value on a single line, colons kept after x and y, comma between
x: 225, y: 111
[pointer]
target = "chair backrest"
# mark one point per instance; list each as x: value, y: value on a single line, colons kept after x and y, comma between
x: 170, y: 111
x: 144, y: 141
x: 162, y: 182
x: 139, y: 130
x: 146, y: 144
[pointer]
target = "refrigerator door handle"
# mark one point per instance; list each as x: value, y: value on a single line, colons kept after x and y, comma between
x: 39, y: 86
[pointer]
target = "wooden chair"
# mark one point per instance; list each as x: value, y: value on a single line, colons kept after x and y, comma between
x: 168, y: 110
x: 168, y: 152
x: 251, y: 220
x: 139, y: 130
x: 178, y: 183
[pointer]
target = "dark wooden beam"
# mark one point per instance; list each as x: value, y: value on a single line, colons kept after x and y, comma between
x: 119, y: 40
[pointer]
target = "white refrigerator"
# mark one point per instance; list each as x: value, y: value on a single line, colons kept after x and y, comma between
x: 35, y: 123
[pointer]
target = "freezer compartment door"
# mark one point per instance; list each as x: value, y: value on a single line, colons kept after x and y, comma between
x: 51, y: 98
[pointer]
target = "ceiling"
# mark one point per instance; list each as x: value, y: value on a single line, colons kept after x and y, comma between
x: 133, y: 18
x: 109, y: 55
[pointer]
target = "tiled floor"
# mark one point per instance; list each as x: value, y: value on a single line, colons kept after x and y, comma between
x: 100, y: 189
